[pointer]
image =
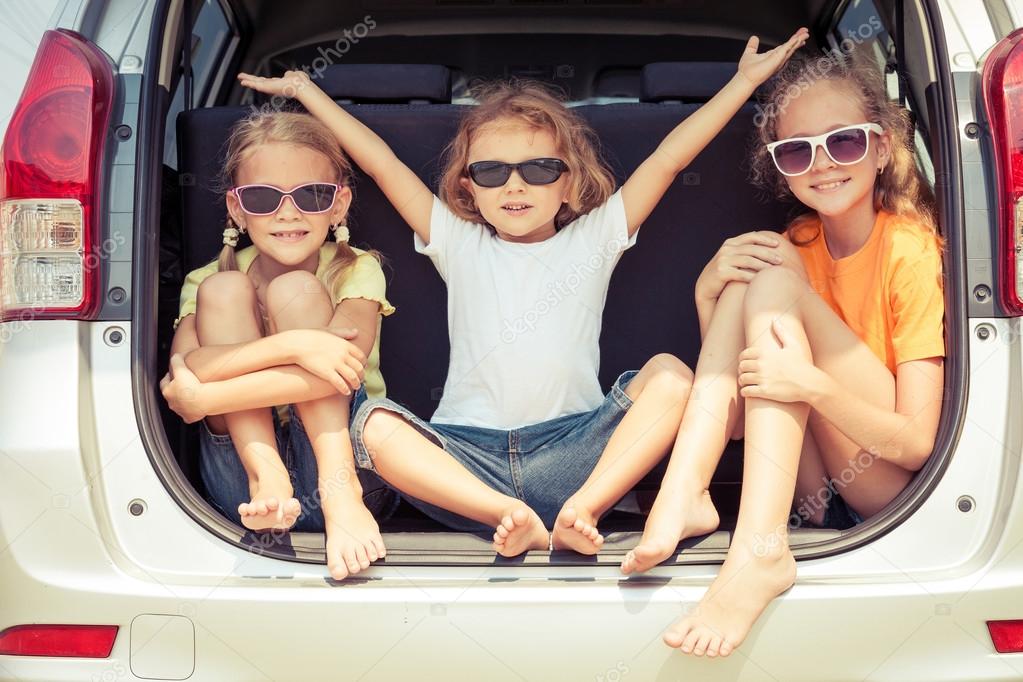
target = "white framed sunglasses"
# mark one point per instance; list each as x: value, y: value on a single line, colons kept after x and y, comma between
x: 845, y: 146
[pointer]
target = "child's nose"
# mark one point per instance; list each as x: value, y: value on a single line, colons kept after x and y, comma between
x: 822, y: 159
x: 515, y: 181
x: 288, y: 209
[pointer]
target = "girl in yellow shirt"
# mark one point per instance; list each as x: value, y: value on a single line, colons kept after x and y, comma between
x: 290, y: 320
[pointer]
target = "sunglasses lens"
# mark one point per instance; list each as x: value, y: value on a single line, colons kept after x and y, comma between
x: 793, y: 157
x: 541, y: 171
x: 259, y: 200
x: 489, y: 173
x: 314, y: 198
x: 847, y: 146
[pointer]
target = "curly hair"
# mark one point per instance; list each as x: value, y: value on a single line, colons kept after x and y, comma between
x: 901, y: 188
x: 532, y: 103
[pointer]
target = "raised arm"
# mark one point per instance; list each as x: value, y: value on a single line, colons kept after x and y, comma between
x: 403, y: 188
x: 651, y: 180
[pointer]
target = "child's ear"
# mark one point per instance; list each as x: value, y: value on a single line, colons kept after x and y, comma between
x: 884, y: 150
x: 342, y: 202
x: 234, y: 210
x: 468, y: 186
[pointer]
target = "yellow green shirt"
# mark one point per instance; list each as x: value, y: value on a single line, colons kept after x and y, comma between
x: 364, y: 279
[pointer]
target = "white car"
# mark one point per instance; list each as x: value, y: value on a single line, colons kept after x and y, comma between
x: 113, y: 566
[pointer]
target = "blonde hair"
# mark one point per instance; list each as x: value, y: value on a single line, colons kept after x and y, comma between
x: 901, y: 188
x: 299, y: 129
x: 590, y: 180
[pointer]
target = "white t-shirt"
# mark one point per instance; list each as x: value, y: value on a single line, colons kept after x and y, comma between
x: 524, y: 319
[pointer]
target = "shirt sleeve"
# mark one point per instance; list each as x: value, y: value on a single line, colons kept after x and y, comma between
x: 365, y: 279
x: 608, y: 228
x: 918, y: 304
x: 447, y: 231
x: 190, y: 290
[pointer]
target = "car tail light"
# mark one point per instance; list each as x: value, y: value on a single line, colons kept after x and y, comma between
x: 1002, y: 81
x: 1006, y: 635
x: 51, y: 190
x: 79, y: 641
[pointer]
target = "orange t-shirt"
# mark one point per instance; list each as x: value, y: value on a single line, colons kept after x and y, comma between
x: 889, y: 292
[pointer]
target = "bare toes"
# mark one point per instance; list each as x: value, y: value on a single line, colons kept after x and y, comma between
x: 690, y: 641
x: 674, y: 637
x: 701, y: 645
x: 362, y: 557
x: 338, y: 570
x: 351, y: 562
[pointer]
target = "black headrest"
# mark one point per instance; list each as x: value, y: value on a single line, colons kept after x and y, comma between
x: 387, y: 83
x: 684, y: 81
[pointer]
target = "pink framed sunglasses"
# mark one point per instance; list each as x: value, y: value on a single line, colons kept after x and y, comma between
x: 313, y: 197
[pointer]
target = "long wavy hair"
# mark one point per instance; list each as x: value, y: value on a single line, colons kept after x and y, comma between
x: 535, y: 105
x: 302, y: 130
x: 900, y: 189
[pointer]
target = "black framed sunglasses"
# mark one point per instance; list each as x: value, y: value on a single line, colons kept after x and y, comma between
x: 314, y: 197
x: 845, y: 146
x: 533, y: 171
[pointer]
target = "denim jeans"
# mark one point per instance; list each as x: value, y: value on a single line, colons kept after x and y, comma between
x: 228, y: 484
x: 541, y: 464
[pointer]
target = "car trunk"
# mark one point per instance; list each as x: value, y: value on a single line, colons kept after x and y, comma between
x: 649, y: 307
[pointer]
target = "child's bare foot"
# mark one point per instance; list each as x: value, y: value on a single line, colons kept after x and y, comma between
x: 273, y: 506
x: 671, y: 520
x: 353, y: 536
x: 748, y: 581
x: 520, y: 530
x: 576, y: 529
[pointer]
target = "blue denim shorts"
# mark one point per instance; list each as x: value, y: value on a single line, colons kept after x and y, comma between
x: 838, y: 515
x: 228, y: 485
x: 541, y: 464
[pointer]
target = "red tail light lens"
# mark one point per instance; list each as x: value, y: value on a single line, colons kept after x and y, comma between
x: 1006, y: 635
x: 50, y: 193
x: 1003, y: 98
x: 79, y: 641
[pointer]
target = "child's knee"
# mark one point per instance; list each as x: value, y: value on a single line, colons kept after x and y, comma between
x: 294, y: 284
x: 295, y: 293
x: 773, y: 286
x: 229, y: 290
x: 380, y: 425
x: 667, y: 376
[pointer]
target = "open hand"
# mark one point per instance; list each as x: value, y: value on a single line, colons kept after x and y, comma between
x: 738, y: 260
x: 782, y: 374
x: 290, y: 85
x: 330, y: 355
x: 757, y: 67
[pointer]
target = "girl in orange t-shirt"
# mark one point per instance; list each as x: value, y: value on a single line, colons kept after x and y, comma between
x: 828, y: 341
